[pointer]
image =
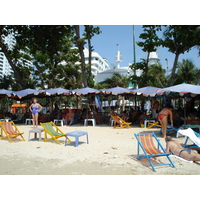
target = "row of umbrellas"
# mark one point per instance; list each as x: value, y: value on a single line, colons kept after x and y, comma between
x: 145, y: 91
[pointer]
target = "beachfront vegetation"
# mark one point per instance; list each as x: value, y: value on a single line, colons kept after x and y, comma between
x: 178, y: 39
x: 57, y: 63
x: 51, y: 50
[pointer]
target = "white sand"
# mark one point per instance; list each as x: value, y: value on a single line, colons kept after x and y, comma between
x: 110, y: 151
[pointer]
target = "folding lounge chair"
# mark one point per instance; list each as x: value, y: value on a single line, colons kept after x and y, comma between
x: 152, y: 124
x: 55, y: 133
x: 146, y: 143
x: 120, y: 123
x: 170, y: 130
x: 11, y: 131
x: 193, y: 136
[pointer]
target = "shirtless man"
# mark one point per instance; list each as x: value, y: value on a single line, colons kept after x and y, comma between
x: 69, y: 117
x: 173, y: 146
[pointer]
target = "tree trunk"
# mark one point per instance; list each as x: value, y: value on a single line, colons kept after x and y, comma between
x: 148, y: 54
x: 89, y: 49
x: 80, y: 45
x: 174, y: 69
x: 14, y: 68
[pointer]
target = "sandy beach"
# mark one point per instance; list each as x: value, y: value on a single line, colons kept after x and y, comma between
x: 109, y: 152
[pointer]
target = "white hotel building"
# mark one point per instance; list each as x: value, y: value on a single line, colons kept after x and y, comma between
x: 5, y: 68
x: 98, y: 64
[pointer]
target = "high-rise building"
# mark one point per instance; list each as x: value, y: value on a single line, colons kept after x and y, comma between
x: 98, y: 64
x: 5, y: 68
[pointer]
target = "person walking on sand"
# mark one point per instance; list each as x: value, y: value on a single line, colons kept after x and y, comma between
x: 173, y: 146
x: 163, y: 119
x: 34, y: 108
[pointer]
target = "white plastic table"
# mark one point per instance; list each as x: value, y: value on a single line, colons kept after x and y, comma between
x: 55, y: 121
x: 35, y: 130
x: 87, y: 120
x: 28, y: 121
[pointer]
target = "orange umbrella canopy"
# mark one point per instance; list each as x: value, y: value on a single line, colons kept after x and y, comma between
x: 18, y: 106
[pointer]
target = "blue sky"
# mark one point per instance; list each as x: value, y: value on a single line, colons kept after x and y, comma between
x: 105, y: 45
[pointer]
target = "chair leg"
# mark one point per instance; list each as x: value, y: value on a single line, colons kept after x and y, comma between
x: 87, y: 138
x: 171, y: 162
x: 151, y: 164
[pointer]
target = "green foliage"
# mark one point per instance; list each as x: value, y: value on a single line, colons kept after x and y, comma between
x: 5, y: 82
x: 116, y: 80
x: 157, y: 76
x: 150, y: 40
x: 153, y: 75
x: 186, y: 73
x: 136, y: 80
x: 180, y: 39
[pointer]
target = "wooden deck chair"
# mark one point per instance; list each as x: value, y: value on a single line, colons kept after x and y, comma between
x: 152, y: 124
x: 11, y: 131
x: 146, y: 143
x: 51, y: 129
x: 120, y: 123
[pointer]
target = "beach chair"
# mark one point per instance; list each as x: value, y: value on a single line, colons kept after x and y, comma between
x: 152, y: 124
x: 11, y: 131
x: 146, y: 143
x: 120, y: 123
x: 193, y: 136
x: 170, y: 130
x: 51, y: 129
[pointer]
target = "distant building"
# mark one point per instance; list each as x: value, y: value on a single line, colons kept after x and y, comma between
x: 5, y: 68
x: 98, y: 64
x: 123, y: 71
x: 153, y: 58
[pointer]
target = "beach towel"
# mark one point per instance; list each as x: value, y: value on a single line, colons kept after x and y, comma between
x: 190, y: 133
x: 181, y: 158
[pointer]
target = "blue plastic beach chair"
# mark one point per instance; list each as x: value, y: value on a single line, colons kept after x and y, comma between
x: 146, y: 144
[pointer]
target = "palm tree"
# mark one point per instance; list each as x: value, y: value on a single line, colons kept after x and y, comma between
x: 187, y: 72
x: 117, y: 80
x: 157, y: 76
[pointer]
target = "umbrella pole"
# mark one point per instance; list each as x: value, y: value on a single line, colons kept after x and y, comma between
x: 135, y: 102
x: 184, y: 110
x: 77, y: 102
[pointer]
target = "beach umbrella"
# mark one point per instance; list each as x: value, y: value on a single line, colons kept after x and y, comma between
x: 86, y: 90
x: 27, y: 93
x: 116, y: 91
x: 57, y: 91
x: 182, y: 89
x: 146, y: 91
x: 4, y: 92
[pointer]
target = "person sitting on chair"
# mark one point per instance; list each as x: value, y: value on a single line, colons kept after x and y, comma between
x: 69, y: 117
x: 143, y: 117
x: 173, y: 146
